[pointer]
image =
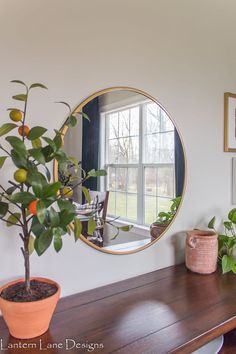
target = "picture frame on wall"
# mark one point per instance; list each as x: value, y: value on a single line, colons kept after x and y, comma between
x: 229, y: 122
x: 234, y: 181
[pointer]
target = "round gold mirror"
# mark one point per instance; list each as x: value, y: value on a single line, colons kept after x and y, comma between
x: 127, y: 169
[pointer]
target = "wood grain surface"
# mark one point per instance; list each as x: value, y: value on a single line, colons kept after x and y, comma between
x: 167, y: 311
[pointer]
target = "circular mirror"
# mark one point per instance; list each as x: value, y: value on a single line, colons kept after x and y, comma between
x: 127, y: 169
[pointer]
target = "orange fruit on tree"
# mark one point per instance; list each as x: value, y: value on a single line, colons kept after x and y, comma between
x: 24, y: 130
x: 20, y: 175
x: 67, y: 192
x: 32, y: 207
x: 15, y: 115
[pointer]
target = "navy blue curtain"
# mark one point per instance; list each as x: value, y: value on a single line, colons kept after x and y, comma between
x: 179, y: 165
x: 90, y: 143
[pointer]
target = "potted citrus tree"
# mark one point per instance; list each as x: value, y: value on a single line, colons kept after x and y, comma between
x: 38, y: 208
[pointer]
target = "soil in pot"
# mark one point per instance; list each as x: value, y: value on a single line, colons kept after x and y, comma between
x: 39, y: 291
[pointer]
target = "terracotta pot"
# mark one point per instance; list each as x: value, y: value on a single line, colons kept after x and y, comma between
x: 201, y: 251
x: 157, y: 229
x: 27, y: 320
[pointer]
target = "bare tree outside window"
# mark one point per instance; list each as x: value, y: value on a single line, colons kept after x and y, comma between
x: 141, y: 180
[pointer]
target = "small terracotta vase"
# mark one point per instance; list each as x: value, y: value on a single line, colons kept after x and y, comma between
x: 157, y: 229
x: 201, y: 251
x: 27, y: 320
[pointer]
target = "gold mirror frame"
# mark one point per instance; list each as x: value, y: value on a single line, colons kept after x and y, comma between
x: 64, y: 129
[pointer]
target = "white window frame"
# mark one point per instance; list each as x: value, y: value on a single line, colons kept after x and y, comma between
x: 140, y: 222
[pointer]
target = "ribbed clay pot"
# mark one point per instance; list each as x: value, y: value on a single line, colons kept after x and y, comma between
x: 27, y: 320
x: 201, y: 251
x: 157, y: 229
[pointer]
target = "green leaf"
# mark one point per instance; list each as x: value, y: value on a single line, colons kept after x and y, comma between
x: 74, y: 161
x: 2, y: 160
x: 3, y: 209
x: 38, y: 85
x: 211, y: 224
x: 49, y: 201
x: 63, y: 167
x: 19, y: 82
x: 51, y: 143
x: 71, y: 121
x: 6, y: 128
x: 37, y: 181
x: 126, y: 228
x: 36, y: 143
x: 57, y: 239
x: 66, y: 205
x: 48, y: 153
x: 62, y: 159
x: 36, y: 227
x: 57, y: 140
x: 232, y: 215
x: 41, y: 211
x: 37, y: 155
x: 42, y: 243
x: 31, y: 244
x: 231, y: 243
x: 228, y: 264
x: 222, y: 240
x: 13, y: 219
x: 77, y: 228
x: 36, y: 133
x: 61, y: 156
x: 50, y: 190
x: 66, y: 217
x: 228, y: 225
x: 98, y: 173
x: 22, y: 197
x: 19, y: 160
x: 84, y: 115
x: 17, y: 145
x: 21, y: 97
x: 91, y: 226
x: 175, y: 203
x: 86, y: 194
x: 57, y: 243
x: 65, y: 104
x: 54, y: 217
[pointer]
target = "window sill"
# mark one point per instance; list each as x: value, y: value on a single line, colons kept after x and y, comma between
x: 137, y: 229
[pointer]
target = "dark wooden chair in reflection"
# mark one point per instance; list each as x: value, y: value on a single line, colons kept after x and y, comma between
x: 101, y: 199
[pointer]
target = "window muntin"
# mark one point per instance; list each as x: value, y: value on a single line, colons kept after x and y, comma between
x: 139, y: 151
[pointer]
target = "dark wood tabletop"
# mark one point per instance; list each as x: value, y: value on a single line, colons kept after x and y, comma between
x: 167, y: 311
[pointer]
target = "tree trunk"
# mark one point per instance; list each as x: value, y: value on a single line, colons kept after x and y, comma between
x: 25, y: 237
x: 27, y: 264
x: 27, y: 271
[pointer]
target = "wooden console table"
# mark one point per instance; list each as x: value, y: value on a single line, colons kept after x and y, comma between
x: 167, y: 311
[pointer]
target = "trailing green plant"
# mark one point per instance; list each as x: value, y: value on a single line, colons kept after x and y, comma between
x: 32, y: 202
x: 226, y: 242
x: 167, y: 217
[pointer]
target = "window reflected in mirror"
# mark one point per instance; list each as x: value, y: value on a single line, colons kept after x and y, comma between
x: 133, y: 139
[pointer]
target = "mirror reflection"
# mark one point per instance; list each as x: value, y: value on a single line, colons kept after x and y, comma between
x: 134, y: 140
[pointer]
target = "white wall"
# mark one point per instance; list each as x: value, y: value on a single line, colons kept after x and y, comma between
x: 181, y: 52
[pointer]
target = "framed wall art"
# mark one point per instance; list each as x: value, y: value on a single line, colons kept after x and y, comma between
x: 234, y: 181
x: 229, y: 122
